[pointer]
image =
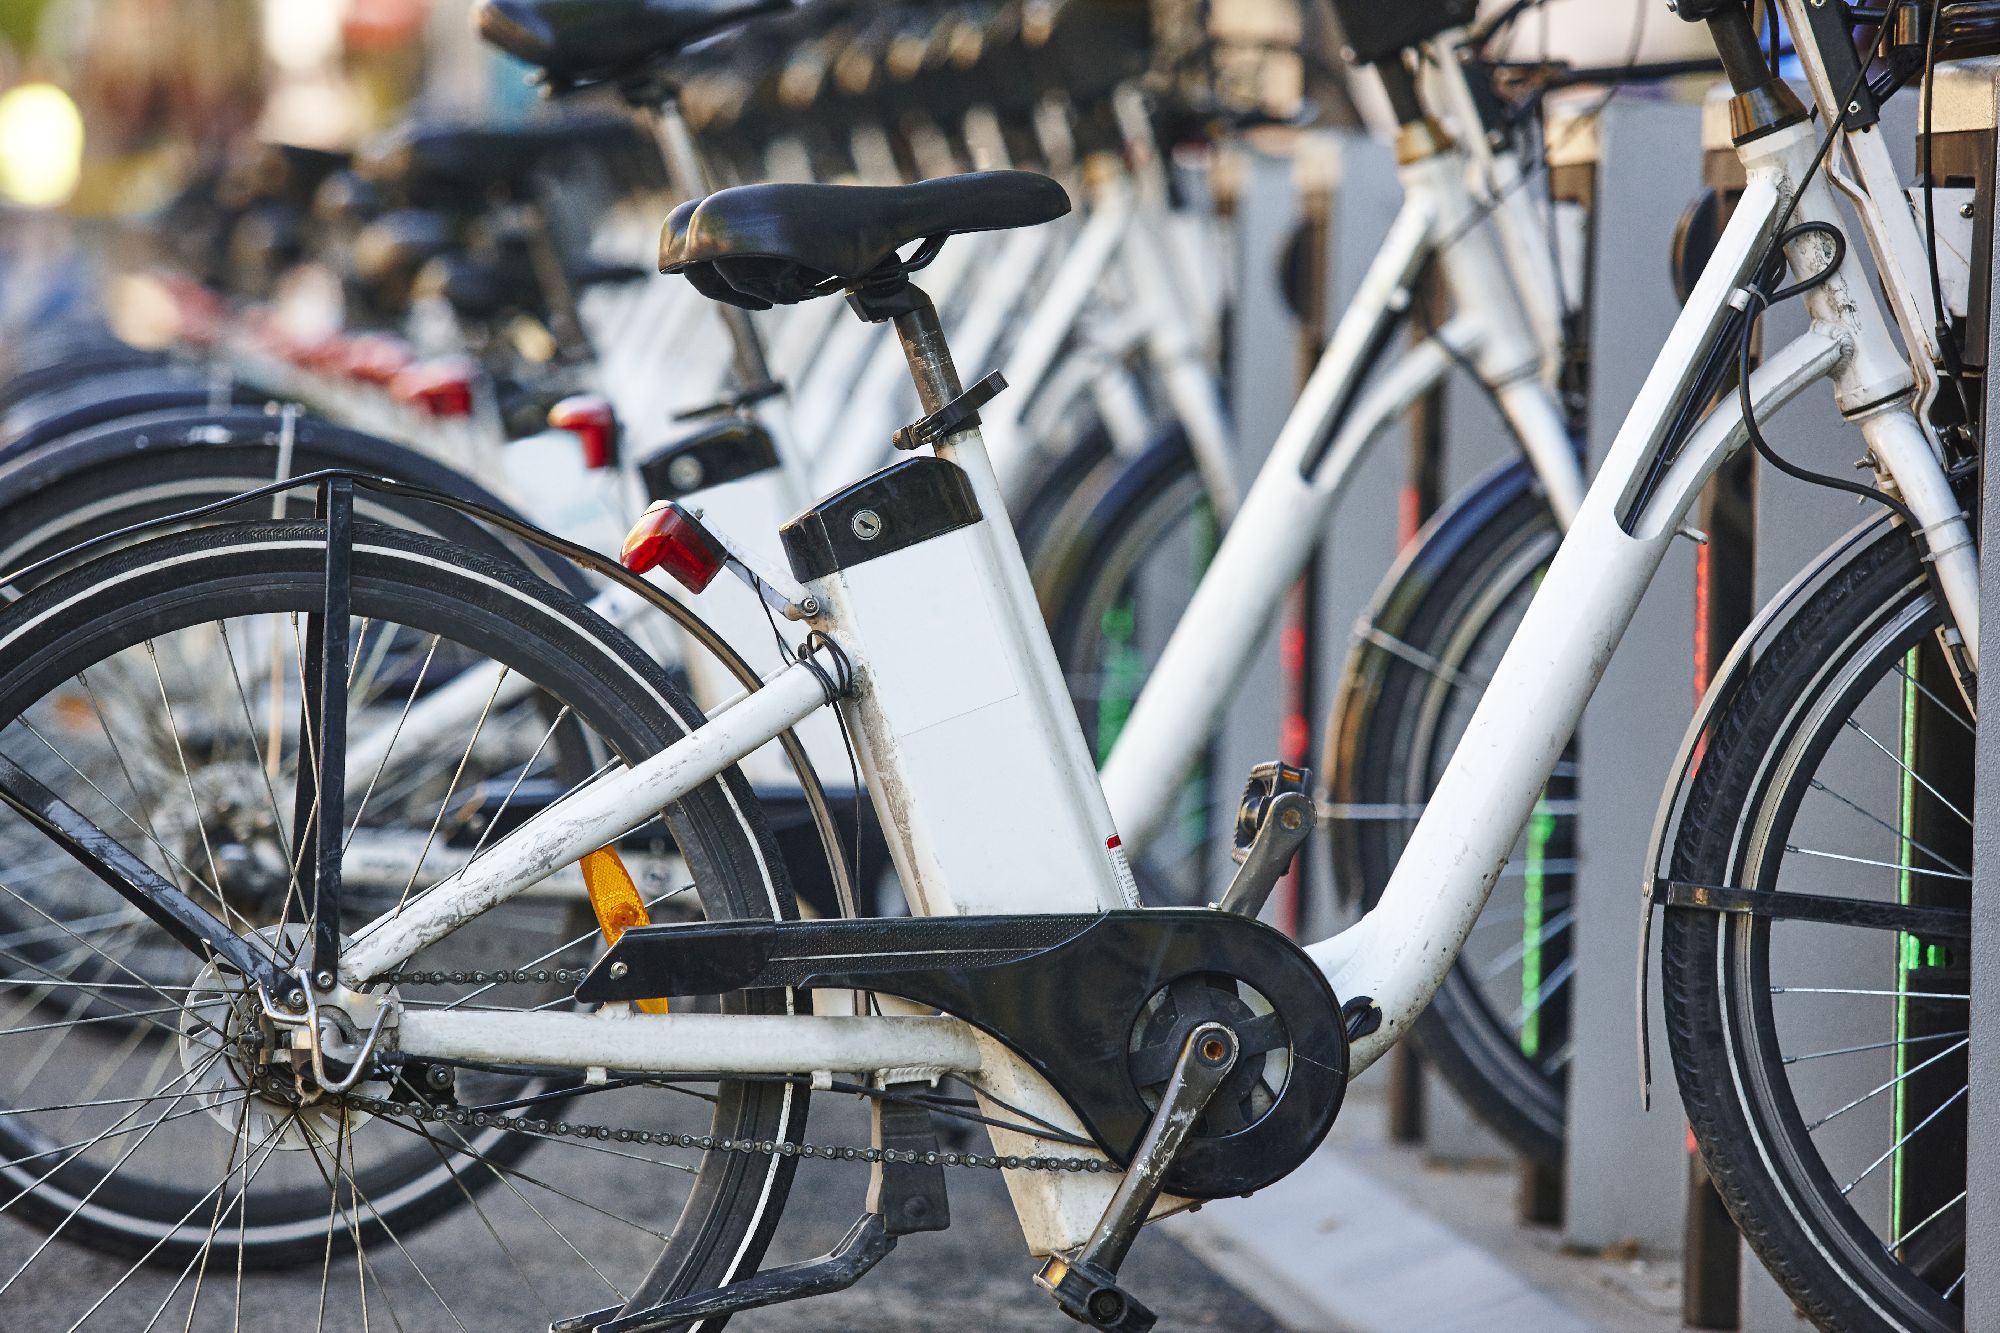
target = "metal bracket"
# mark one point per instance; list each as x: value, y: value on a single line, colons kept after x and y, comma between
x: 1942, y: 922
x: 780, y: 593
x: 957, y: 415
x: 318, y: 806
x: 908, y: 1195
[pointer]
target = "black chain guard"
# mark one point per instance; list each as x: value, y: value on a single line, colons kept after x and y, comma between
x: 1065, y: 993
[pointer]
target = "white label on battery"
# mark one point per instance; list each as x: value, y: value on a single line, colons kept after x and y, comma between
x: 1121, y: 870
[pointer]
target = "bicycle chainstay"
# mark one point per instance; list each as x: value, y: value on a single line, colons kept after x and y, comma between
x: 471, y: 1118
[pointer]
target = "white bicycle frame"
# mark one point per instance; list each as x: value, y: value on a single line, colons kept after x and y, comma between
x: 980, y: 774
x: 1462, y: 210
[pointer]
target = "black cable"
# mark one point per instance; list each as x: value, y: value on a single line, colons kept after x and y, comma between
x: 1760, y: 301
x: 953, y: 1107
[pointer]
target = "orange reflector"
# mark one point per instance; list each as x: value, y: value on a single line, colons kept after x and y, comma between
x: 615, y: 899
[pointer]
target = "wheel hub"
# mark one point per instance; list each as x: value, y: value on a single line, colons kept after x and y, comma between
x: 252, y: 1068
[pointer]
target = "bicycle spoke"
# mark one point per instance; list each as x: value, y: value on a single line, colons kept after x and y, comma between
x: 543, y: 1217
x: 1855, y: 990
x: 187, y: 777
x: 1872, y: 1046
x: 394, y: 736
x: 265, y: 763
x: 1897, y: 866
x: 1909, y: 772
x: 1891, y: 1150
x: 494, y: 821
x: 1881, y: 1088
x: 444, y: 805
x: 268, y: 1146
x: 1901, y: 834
x: 381, y: 1221
x: 198, y: 1265
x: 1557, y: 979
x: 176, y: 861
x: 518, y: 1174
x: 1551, y: 928
x: 1942, y: 1209
x: 479, y: 1211
x: 1948, y: 708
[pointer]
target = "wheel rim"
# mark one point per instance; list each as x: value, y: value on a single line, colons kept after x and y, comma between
x: 519, y: 1208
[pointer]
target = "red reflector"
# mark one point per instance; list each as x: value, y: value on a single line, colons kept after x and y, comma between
x: 442, y: 388
x: 590, y: 418
x: 668, y: 537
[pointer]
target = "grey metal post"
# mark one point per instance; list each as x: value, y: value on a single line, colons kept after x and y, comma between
x: 1982, y: 1161
x: 1625, y: 1168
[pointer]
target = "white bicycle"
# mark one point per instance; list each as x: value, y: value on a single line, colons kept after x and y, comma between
x: 252, y: 1066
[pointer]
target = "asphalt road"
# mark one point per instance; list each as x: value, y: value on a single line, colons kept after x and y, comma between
x: 976, y: 1274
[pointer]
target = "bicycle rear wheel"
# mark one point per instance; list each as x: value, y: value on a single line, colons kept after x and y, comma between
x: 1822, y: 1062
x: 158, y: 691
x: 1497, y: 1029
x: 1112, y: 593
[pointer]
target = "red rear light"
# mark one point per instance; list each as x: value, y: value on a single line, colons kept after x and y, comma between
x: 589, y: 417
x: 442, y: 388
x: 668, y: 537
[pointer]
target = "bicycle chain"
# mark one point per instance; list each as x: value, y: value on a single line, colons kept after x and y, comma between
x: 462, y: 1117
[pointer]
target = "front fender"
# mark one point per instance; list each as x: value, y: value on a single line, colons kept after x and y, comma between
x: 1728, y: 679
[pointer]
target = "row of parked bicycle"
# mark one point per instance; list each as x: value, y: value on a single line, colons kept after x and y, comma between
x: 473, y: 311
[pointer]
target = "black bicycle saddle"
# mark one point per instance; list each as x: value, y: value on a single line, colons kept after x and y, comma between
x: 580, y: 40
x: 434, y: 163
x: 758, y: 246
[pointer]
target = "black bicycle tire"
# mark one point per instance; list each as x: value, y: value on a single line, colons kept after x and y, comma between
x: 502, y: 608
x: 1769, y: 1186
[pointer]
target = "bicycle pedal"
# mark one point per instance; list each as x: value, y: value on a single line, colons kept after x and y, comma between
x: 1273, y: 820
x: 1091, y: 1296
x: 1266, y: 784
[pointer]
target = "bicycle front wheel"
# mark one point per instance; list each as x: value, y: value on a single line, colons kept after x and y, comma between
x: 159, y: 691
x: 1822, y: 1057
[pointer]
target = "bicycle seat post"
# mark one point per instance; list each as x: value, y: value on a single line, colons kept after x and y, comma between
x: 688, y: 174
x: 924, y: 347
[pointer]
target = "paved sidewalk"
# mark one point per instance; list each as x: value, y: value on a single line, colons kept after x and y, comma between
x: 1368, y: 1238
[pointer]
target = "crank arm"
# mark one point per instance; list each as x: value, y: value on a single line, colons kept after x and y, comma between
x: 186, y: 921
x: 1085, y: 1284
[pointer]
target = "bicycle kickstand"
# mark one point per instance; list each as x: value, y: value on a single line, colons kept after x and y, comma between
x: 904, y: 1196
